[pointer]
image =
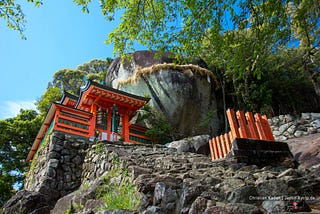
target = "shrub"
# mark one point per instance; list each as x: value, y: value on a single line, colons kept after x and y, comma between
x: 122, y: 195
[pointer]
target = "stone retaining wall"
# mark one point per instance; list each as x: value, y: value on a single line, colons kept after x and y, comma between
x: 57, y: 169
x: 287, y: 126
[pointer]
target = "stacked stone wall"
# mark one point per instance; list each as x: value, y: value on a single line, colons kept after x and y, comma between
x: 285, y: 127
x: 57, y: 168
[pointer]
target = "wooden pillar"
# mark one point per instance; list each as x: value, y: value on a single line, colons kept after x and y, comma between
x: 215, y: 148
x: 125, y: 126
x: 92, y: 123
x: 109, y: 124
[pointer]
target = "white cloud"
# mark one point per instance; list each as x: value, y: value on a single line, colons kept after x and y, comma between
x: 10, y: 109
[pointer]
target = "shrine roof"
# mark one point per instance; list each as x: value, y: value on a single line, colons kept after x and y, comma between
x: 68, y: 99
x: 94, y: 91
x: 68, y: 95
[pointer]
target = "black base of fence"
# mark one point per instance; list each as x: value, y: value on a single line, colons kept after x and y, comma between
x: 261, y: 152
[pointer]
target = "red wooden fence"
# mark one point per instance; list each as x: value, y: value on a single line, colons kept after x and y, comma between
x: 241, y: 126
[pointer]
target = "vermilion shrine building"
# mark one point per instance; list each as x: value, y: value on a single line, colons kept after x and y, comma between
x: 99, y: 112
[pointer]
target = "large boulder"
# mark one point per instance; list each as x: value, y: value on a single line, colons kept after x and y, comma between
x: 185, y: 94
x: 28, y: 202
x: 306, y: 150
x: 197, y: 144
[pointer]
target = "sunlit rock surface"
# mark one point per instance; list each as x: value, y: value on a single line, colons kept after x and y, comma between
x: 185, y: 94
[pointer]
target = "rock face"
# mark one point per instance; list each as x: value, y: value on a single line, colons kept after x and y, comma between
x: 184, y: 94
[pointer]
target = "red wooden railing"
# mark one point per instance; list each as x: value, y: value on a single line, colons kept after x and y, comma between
x: 73, y: 122
x: 241, y: 126
x: 137, y: 135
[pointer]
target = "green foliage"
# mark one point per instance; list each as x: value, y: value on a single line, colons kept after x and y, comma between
x: 99, y: 149
x: 71, y: 80
x: 118, y: 190
x: 50, y: 95
x: 96, y: 67
x: 290, y: 86
x: 182, y: 26
x: 12, y: 13
x: 123, y: 195
x: 16, y: 137
x: 115, y: 159
x: 206, y: 120
x: 86, y: 186
x: 161, y: 131
x: 6, y: 190
x: 283, y: 86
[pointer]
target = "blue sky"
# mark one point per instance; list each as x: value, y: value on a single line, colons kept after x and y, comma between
x: 59, y: 36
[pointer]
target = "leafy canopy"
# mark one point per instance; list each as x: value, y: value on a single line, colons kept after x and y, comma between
x: 16, y: 137
x: 13, y: 15
x: 182, y: 25
x: 237, y: 36
x: 71, y: 80
x: 51, y: 94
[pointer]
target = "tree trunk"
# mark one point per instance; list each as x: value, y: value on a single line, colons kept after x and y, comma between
x: 315, y: 82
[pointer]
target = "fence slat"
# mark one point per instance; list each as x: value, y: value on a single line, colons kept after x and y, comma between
x: 233, y: 123
x: 220, y: 155
x: 230, y: 137
x: 215, y: 148
x: 223, y: 146
x: 243, y: 129
x: 227, y: 140
x: 211, y: 150
x: 259, y: 125
x: 267, y: 128
x: 252, y: 125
